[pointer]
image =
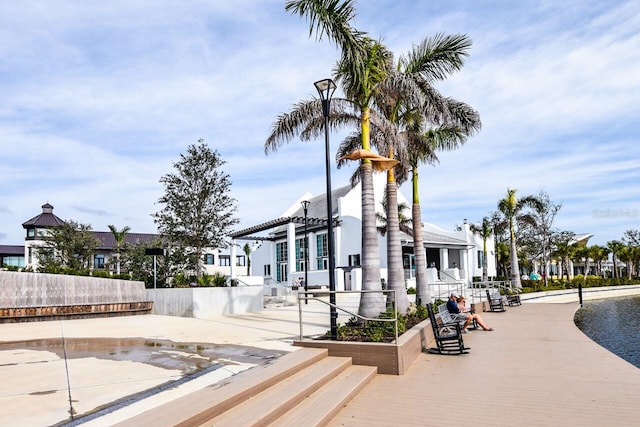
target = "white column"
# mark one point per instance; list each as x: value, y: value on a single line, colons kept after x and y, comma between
x: 444, y: 258
x: 467, y: 269
x: 232, y: 262
x: 313, y: 258
x: 291, y: 252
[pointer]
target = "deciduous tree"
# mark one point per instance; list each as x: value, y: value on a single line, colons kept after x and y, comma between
x: 198, y: 210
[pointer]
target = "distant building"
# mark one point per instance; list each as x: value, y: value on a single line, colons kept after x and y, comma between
x: 36, y: 228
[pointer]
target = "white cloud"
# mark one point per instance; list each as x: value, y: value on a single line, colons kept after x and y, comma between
x: 99, y: 98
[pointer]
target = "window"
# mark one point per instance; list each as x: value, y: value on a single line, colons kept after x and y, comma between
x: 301, y: 255
x: 480, y: 259
x: 354, y: 260
x: 98, y: 261
x: 209, y: 259
x: 267, y: 270
x: 241, y: 260
x: 322, y: 252
x: 13, y: 261
x: 224, y: 260
x: 281, y: 261
x: 31, y: 232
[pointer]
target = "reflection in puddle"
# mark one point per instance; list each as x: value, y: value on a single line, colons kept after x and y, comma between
x: 189, y: 358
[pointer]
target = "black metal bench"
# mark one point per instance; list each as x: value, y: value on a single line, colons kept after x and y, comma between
x: 448, y: 336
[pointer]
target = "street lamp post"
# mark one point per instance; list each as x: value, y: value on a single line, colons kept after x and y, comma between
x: 326, y: 88
x: 305, y: 207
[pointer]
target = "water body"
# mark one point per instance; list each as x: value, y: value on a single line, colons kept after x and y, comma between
x: 614, y: 324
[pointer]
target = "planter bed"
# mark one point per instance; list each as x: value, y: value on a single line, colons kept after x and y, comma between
x: 389, y: 358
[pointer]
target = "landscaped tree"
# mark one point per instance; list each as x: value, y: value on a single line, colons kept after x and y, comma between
x: 362, y: 66
x: 119, y: 237
x: 598, y: 254
x: 615, y: 246
x: 485, y: 230
x: 512, y: 210
x: 198, y: 210
x: 70, y: 245
x: 247, y: 251
x: 564, y: 247
x: 539, y: 238
x: 403, y: 220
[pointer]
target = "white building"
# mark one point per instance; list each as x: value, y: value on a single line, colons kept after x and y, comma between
x: 451, y: 255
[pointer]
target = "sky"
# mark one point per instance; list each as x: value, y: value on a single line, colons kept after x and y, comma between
x: 99, y: 99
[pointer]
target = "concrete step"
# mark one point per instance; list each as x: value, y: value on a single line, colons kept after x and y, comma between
x: 267, y: 406
x: 202, y: 405
x: 320, y: 407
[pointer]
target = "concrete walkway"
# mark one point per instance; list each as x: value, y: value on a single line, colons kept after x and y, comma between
x: 536, y: 368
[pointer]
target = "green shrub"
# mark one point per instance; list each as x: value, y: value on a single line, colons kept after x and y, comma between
x: 101, y: 273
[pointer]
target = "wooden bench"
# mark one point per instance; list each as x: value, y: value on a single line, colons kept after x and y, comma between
x: 448, y: 336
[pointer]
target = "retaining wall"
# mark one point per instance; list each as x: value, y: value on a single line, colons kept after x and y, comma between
x: 205, y: 303
x: 39, y: 296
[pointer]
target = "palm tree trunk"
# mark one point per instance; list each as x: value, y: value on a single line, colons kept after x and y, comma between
x: 485, y: 272
x: 395, y: 272
x: 515, y: 269
x: 371, y: 303
x: 423, y: 296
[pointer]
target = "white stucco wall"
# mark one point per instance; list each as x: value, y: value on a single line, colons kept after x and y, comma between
x: 203, y: 303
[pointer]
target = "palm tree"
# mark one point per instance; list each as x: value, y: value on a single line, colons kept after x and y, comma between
x: 421, y: 122
x: 512, y: 207
x: 615, y: 246
x: 247, y: 251
x: 485, y: 230
x: 561, y: 252
x: 403, y: 220
x: 598, y: 254
x: 119, y: 236
x: 410, y: 120
x: 362, y: 66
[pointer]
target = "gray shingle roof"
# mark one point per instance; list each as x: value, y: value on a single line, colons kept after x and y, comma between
x: 46, y: 219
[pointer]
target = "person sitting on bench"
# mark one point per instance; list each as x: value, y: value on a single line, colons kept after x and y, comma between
x: 467, y: 318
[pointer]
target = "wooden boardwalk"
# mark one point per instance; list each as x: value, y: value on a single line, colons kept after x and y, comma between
x: 535, y: 369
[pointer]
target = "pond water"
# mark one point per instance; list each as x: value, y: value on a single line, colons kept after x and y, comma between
x: 614, y: 324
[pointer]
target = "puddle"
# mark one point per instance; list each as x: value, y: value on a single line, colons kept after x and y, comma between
x: 189, y: 358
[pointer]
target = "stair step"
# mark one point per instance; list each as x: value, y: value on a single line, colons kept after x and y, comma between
x: 201, y: 405
x: 266, y: 407
x: 320, y: 407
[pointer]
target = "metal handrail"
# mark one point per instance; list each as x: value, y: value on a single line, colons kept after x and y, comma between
x: 492, y: 284
x: 304, y: 295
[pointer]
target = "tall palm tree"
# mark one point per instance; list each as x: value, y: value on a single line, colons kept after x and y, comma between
x: 405, y: 221
x: 247, y: 252
x: 485, y: 230
x: 410, y: 121
x: 363, y: 65
x: 598, y: 254
x: 512, y: 207
x: 615, y: 246
x: 119, y: 236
